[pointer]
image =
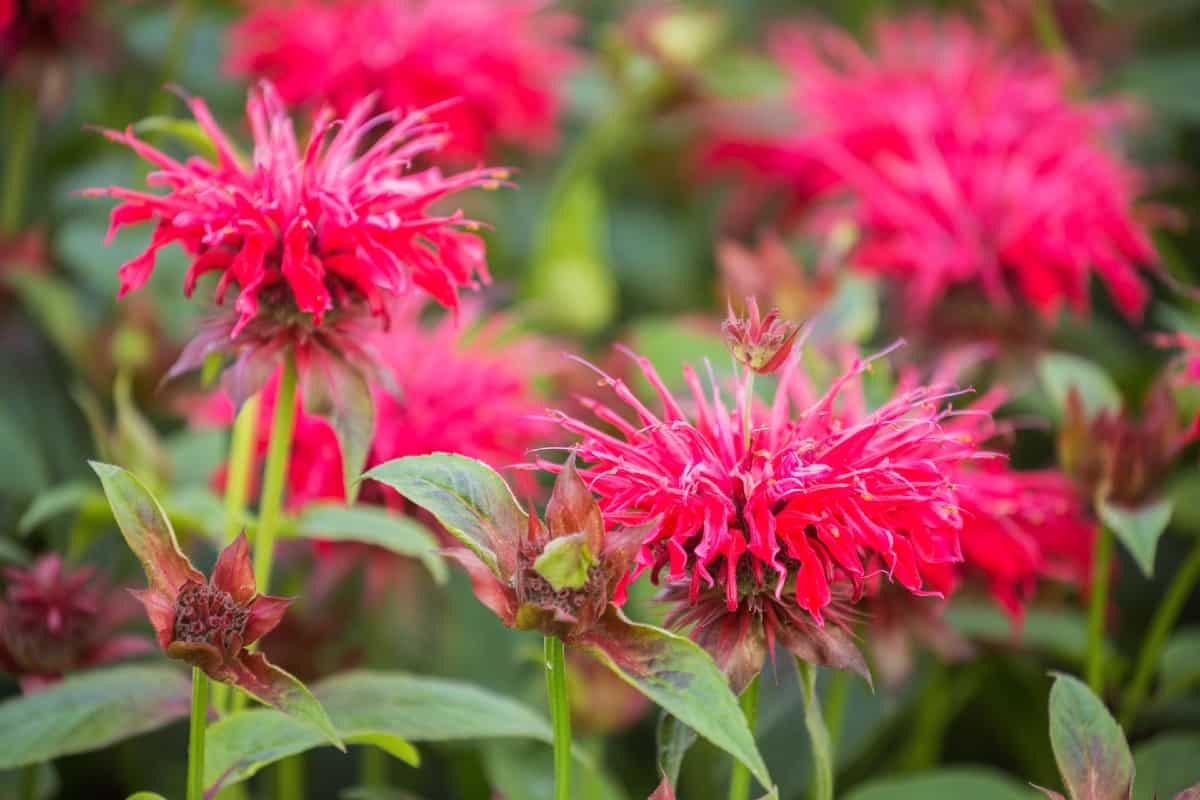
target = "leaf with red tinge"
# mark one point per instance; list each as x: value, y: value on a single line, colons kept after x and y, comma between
x: 678, y: 675
x: 1089, y: 746
x: 467, y: 497
x: 275, y: 687
x: 144, y: 524
x: 1191, y: 793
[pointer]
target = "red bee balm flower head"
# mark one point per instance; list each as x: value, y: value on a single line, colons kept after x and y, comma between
x: 53, y: 622
x: 339, y: 228
x: 779, y: 526
x: 966, y: 166
x: 502, y: 62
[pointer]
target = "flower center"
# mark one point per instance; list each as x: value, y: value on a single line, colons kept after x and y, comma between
x: 208, y: 615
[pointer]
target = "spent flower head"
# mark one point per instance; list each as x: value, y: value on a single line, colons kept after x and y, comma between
x: 54, y: 621
x: 761, y: 343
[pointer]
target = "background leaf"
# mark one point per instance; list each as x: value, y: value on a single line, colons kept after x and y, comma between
x: 369, y: 704
x: 90, y: 711
x: 957, y: 783
x: 1139, y: 528
x: 1166, y: 765
x: 372, y: 525
x: 1060, y: 372
x: 1089, y: 747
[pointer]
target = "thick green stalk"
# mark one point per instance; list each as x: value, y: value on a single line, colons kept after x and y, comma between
x: 29, y: 782
x: 747, y: 422
x: 20, y: 126
x: 818, y: 734
x: 279, y: 452
x: 289, y: 779
x: 560, y: 715
x: 1101, y: 570
x: 373, y: 768
x: 199, y: 722
x: 835, y: 707
x: 739, y: 777
x: 241, y: 463
x: 1161, y: 626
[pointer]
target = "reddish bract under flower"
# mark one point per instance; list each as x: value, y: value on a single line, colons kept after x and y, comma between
x: 761, y: 343
x: 822, y: 491
x: 502, y: 61
x: 963, y: 164
x: 53, y: 622
x: 342, y: 225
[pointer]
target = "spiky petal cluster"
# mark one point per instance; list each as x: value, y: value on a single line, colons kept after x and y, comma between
x: 54, y: 621
x: 341, y: 225
x: 501, y: 61
x: 760, y: 343
x: 820, y: 492
x: 965, y: 166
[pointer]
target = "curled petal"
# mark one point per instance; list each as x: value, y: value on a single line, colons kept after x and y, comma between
x: 202, y: 655
x: 572, y: 509
x: 266, y: 612
x: 234, y: 573
x: 497, y: 596
x: 161, y: 612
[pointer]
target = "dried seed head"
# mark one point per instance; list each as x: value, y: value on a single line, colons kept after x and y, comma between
x: 205, y: 614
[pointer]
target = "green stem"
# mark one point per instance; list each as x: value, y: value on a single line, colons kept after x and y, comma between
x: 29, y: 782
x: 739, y: 777
x: 1101, y: 570
x: 1165, y: 617
x: 373, y: 769
x: 21, y: 124
x: 199, y: 722
x: 1045, y: 24
x: 279, y: 451
x: 749, y: 404
x: 289, y: 779
x: 818, y: 734
x: 241, y: 463
x: 560, y: 715
x: 835, y: 707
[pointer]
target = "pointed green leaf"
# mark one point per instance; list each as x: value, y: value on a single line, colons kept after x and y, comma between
x: 1139, y: 528
x: 376, y: 526
x: 52, y: 502
x: 565, y: 562
x: 185, y: 131
x: 375, y: 707
x: 281, y: 690
x: 90, y: 711
x: 1060, y: 632
x: 976, y: 783
x: 1166, y: 765
x: 146, y: 529
x: 145, y: 796
x: 681, y: 678
x: 672, y: 739
x: 467, y: 497
x: 1179, y: 668
x: 1060, y: 372
x: 1089, y: 747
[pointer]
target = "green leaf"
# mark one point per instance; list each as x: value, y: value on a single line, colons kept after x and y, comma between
x: 392, y: 531
x: 369, y: 707
x: 1168, y: 82
x: 12, y: 553
x: 1059, y: 632
x: 569, y: 282
x: 565, y: 562
x: 185, y: 131
x: 672, y: 740
x: 145, y: 796
x: 52, y: 502
x: 526, y: 770
x: 46, y: 783
x: 1089, y: 747
x: 1179, y: 668
x: 954, y: 783
x: 670, y: 343
x: 467, y: 497
x: 1139, y: 528
x: 681, y: 678
x: 90, y: 711
x: 1060, y: 372
x: 1166, y: 765
x: 58, y: 309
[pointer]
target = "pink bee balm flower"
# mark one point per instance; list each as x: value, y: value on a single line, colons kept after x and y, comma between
x: 342, y: 224
x: 964, y: 166
x: 501, y: 61
x: 789, y: 519
x: 54, y: 621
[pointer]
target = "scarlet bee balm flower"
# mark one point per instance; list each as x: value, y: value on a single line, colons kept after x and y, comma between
x: 340, y: 227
